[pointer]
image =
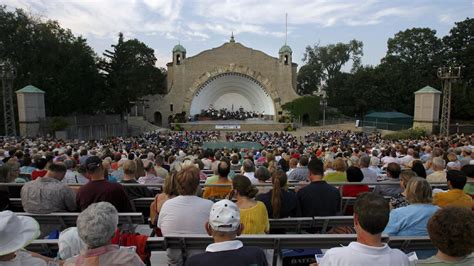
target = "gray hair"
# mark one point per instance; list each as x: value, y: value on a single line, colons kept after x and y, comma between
x: 439, y: 162
x: 374, y: 161
x: 262, y: 173
x: 96, y: 225
x: 364, y: 161
x: 248, y: 166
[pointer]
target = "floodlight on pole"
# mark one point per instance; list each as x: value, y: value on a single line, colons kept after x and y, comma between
x: 448, y: 75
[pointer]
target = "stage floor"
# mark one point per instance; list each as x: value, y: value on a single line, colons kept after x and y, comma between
x: 232, y: 122
x: 234, y: 125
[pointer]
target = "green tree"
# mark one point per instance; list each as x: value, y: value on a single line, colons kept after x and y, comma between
x: 53, y: 59
x: 459, y: 51
x: 130, y: 73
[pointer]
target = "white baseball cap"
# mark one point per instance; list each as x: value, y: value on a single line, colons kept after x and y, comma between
x: 16, y: 232
x: 224, y: 216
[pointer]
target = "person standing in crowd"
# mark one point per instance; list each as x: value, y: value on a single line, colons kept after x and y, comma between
x: 133, y: 192
x: 48, y: 194
x: 99, y: 189
x: 183, y: 214
x: 371, y: 215
x: 455, y: 196
x: 400, y: 200
x: 318, y: 198
x: 393, y: 174
x: 451, y: 231
x: 96, y: 226
x: 300, y: 173
x: 369, y: 175
x: 253, y: 214
x: 411, y: 220
x: 219, y: 192
x: 224, y: 226
x: 280, y: 203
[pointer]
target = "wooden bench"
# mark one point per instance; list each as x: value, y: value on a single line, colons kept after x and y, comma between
x: 68, y: 219
x: 299, y: 224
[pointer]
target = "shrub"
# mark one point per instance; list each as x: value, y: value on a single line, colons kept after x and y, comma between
x: 412, y: 133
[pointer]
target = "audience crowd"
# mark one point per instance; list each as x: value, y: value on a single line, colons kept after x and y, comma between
x: 414, y: 187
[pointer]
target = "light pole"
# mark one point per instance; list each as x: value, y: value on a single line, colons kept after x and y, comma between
x: 448, y: 75
x: 7, y: 75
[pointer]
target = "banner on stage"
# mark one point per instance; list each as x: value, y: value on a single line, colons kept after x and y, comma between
x: 227, y: 126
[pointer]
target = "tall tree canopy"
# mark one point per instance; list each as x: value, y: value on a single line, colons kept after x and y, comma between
x: 411, y: 62
x: 53, y: 59
x: 130, y: 73
x: 323, y: 63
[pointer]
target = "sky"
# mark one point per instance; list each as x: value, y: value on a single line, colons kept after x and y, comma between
x: 204, y: 24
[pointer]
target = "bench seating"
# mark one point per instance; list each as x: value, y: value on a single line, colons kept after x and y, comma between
x: 273, y: 242
x: 300, y: 224
x: 68, y: 219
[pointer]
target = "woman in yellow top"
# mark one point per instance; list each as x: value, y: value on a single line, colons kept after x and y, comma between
x: 340, y: 174
x: 253, y: 214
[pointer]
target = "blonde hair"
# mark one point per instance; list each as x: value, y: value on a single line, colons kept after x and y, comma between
x: 130, y: 167
x: 406, y: 175
x: 418, y: 190
x: 339, y: 165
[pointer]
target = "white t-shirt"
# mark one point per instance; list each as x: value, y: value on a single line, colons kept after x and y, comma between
x: 183, y: 215
x: 251, y: 177
x: 359, y: 254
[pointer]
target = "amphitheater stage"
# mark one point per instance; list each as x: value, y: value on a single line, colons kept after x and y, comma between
x: 233, y: 125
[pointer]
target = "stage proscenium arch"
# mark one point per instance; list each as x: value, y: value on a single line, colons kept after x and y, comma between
x: 233, y: 91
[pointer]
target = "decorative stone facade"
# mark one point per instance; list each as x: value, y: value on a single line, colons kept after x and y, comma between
x: 188, y: 75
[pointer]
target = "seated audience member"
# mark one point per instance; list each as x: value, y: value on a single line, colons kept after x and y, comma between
x: 4, y: 191
x: 133, y: 192
x: 235, y: 162
x: 468, y: 170
x: 340, y: 174
x: 400, y: 200
x: 263, y: 174
x: 73, y: 177
x: 393, y: 174
x: 318, y: 198
x: 150, y: 174
x: 108, y: 171
x: 27, y: 167
x: 169, y: 191
x: 369, y: 174
x: 279, y: 201
x: 70, y: 244
x: 439, y: 174
x: 371, y: 215
x: 40, y: 164
x: 48, y: 194
x: 354, y: 174
x: 14, y: 173
x: 374, y: 165
x: 224, y: 226
x: 248, y: 170
x: 292, y: 164
x: 96, y: 226
x: 418, y: 168
x: 300, y: 173
x: 183, y: 214
x: 219, y: 192
x: 455, y: 196
x: 451, y: 231
x: 411, y: 220
x: 99, y: 189
x: 253, y: 214
x: 159, y: 169
x: 17, y: 232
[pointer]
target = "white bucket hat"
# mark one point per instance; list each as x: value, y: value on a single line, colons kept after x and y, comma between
x: 16, y: 231
x: 224, y: 216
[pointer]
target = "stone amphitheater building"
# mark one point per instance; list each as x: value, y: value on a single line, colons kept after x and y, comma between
x: 229, y: 76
